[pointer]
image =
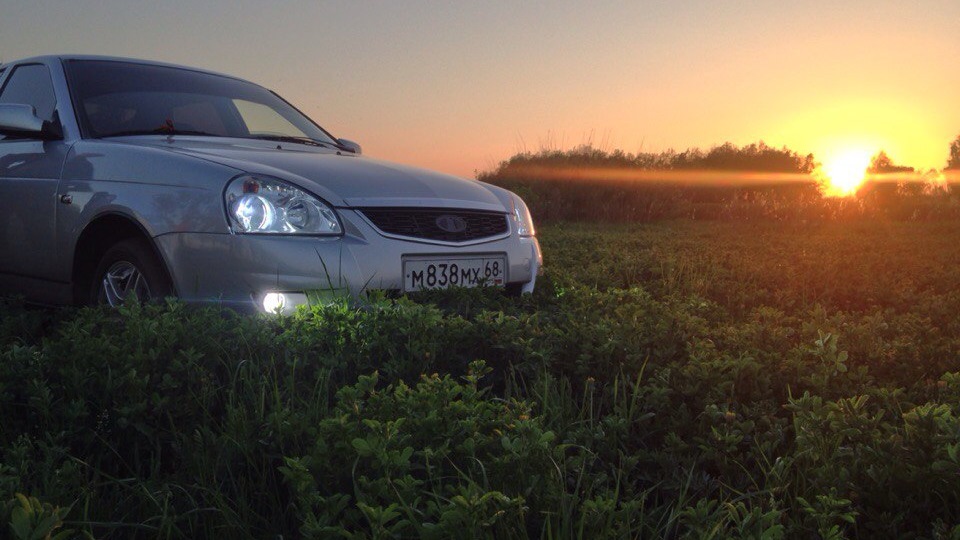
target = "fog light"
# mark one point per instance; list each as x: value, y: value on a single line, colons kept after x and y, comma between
x: 283, y: 303
x: 273, y: 302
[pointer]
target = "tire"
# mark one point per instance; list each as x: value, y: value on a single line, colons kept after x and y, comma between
x: 129, y: 267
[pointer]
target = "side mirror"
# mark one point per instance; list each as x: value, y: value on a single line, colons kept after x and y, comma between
x: 21, y: 121
x: 351, y: 146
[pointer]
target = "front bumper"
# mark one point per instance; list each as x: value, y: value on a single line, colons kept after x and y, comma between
x: 238, y: 270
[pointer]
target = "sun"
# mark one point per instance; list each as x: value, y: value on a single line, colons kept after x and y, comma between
x: 845, y: 172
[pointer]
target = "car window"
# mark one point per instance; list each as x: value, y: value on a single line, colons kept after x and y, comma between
x: 120, y: 98
x: 262, y: 120
x: 200, y: 115
x: 31, y: 85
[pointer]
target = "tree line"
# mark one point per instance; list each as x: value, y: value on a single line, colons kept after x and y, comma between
x: 725, y: 157
x: 758, y: 157
x: 953, y: 162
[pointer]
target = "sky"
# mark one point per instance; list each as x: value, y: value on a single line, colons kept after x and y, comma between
x: 460, y: 86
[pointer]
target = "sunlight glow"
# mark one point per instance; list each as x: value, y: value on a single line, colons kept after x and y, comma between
x: 845, y: 172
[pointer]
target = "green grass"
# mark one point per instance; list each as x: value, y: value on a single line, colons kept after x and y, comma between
x: 692, y: 379
x: 741, y: 266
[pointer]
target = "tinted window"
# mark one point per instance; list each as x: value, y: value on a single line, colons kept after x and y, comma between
x: 31, y: 85
x: 117, y: 98
x: 262, y: 119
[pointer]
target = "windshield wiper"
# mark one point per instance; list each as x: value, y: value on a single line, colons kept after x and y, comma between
x: 290, y: 139
x: 169, y: 132
x: 160, y: 131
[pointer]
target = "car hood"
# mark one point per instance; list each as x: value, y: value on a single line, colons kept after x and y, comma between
x: 342, y: 179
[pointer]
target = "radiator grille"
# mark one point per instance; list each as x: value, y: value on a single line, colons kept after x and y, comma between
x: 447, y: 225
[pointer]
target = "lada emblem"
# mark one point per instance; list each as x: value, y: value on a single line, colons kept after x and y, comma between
x: 451, y: 224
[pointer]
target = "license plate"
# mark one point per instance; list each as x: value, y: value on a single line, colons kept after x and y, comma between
x: 419, y: 274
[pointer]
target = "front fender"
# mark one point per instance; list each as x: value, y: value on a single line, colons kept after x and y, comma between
x: 162, y: 192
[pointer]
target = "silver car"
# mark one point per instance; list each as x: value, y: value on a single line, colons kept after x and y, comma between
x: 124, y: 177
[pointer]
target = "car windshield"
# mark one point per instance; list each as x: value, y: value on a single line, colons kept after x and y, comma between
x: 122, y: 98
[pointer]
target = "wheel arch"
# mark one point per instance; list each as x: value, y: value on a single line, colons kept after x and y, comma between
x: 102, y: 232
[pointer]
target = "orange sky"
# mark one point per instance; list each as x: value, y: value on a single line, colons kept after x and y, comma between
x: 458, y: 87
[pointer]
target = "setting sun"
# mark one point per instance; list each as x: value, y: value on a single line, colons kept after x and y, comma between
x: 845, y: 172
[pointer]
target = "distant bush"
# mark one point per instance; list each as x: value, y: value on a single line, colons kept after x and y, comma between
x: 953, y: 161
x: 881, y: 163
x: 757, y: 157
x: 725, y: 183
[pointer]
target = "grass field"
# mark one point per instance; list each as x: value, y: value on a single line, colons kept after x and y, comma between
x: 681, y: 379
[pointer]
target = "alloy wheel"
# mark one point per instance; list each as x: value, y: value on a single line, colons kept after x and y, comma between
x: 123, y: 278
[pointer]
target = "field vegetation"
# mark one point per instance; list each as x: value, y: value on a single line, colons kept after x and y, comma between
x: 788, y: 367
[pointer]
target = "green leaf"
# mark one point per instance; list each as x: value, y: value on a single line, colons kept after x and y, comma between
x: 45, y: 527
x: 942, y: 466
x: 362, y: 446
x: 24, y: 502
x: 20, y: 523
x: 63, y: 535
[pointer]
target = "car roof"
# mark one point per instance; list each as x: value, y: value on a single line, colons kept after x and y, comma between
x: 67, y: 57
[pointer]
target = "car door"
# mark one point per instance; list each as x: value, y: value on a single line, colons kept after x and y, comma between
x: 29, y: 177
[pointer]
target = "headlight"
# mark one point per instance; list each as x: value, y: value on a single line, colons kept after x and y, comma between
x: 521, y: 214
x: 264, y: 205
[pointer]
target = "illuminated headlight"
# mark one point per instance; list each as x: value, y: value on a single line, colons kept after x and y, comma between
x: 521, y: 214
x: 264, y: 205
